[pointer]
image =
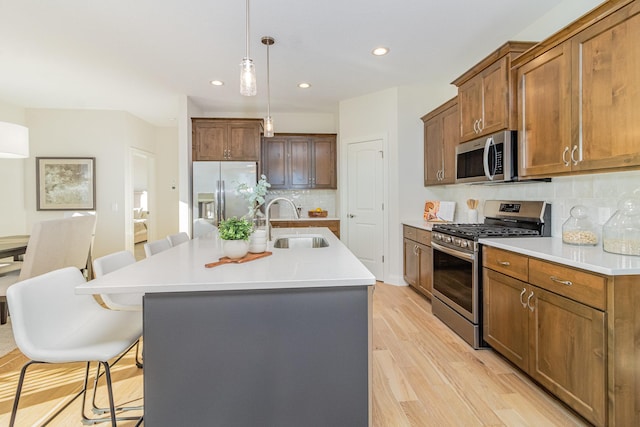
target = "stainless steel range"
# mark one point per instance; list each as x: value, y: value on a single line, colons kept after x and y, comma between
x: 457, y: 260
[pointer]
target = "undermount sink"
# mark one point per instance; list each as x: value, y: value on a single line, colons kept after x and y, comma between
x: 301, y: 241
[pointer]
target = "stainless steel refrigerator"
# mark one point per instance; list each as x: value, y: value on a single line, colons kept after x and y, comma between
x: 215, y: 195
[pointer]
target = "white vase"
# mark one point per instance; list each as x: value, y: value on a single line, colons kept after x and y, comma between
x: 235, y: 249
x: 258, y: 241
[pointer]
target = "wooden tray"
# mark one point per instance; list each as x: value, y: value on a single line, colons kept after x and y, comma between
x: 248, y: 257
x: 316, y: 214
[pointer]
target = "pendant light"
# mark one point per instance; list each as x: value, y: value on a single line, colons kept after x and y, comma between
x: 268, y: 121
x: 14, y: 141
x: 247, y: 69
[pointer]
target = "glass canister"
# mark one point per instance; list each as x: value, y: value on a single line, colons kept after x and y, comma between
x: 621, y: 233
x: 578, y: 229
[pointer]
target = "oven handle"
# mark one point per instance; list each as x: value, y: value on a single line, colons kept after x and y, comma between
x: 453, y: 252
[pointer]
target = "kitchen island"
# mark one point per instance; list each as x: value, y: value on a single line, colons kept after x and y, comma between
x: 279, y: 341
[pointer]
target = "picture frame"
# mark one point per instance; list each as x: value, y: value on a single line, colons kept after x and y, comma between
x: 65, y: 183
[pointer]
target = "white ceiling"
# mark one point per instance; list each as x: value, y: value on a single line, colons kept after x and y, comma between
x: 141, y: 56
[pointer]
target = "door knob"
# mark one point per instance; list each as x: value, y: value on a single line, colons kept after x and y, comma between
x: 351, y: 216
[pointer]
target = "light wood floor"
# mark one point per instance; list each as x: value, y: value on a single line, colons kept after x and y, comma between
x: 423, y: 375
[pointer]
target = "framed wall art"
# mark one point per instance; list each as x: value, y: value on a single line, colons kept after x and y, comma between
x: 66, y: 183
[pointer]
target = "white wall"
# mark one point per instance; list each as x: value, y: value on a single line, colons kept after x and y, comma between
x: 12, y: 205
x: 107, y: 136
x: 369, y: 117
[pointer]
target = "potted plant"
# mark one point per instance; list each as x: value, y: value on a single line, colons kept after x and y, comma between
x: 235, y: 234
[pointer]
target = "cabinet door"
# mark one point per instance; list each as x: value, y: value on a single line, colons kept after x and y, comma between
x: 505, y: 316
x: 274, y: 161
x: 209, y: 140
x: 324, y: 163
x: 470, y: 107
x: 450, y: 139
x: 544, y: 113
x: 568, y: 352
x: 410, y: 261
x: 300, y: 163
x: 425, y: 270
x: 244, y: 141
x: 495, y: 98
x: 433, y: 154
x: 606, y: 92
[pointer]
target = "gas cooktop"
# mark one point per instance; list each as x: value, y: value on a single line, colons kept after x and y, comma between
x: 475, y: 231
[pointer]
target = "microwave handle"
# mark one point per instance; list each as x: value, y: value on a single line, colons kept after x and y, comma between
x: 485, y: 159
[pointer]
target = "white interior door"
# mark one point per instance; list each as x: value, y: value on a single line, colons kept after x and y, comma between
x: 365, y: 178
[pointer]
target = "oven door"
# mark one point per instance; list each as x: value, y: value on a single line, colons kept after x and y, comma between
x: 455, y: 280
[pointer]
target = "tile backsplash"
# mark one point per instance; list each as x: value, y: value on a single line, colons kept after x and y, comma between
x: 305, y: 199
x: 600, y: 193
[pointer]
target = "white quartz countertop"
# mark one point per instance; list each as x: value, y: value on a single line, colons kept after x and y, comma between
x: 306, y: 218
x: 181, y: 269
x: 590, y: 258
x: 419, y: 223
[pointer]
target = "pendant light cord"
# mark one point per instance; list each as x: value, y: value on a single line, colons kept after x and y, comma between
x: 268, y: 85
x: 247, y: 29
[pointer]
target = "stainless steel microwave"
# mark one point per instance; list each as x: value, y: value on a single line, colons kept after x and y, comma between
x: 488, y: 159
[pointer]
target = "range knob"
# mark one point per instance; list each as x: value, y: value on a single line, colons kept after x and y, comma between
x: 464, y: 244
x: 447, y: 239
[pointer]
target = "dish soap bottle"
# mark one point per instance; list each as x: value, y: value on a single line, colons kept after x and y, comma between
x: 621, y: 233
x: 578, y: 229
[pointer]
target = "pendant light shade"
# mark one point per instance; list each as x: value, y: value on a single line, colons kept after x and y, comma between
x: 247, y: 77
x: 14, y: 141
x: 247, y: 69
x: 268, y: 127
x: 268, y: 121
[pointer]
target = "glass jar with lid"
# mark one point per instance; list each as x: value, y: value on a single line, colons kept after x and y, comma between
x: 578, y: 229
x: 621, y: 233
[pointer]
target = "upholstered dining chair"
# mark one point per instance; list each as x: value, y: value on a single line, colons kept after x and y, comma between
x: 53, y: 244
x: 178, y: 238
x: 51, y: 324
x: 155, y: 247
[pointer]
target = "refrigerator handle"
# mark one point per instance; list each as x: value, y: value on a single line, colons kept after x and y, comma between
x: 218, y: 212
x: 223, y: 198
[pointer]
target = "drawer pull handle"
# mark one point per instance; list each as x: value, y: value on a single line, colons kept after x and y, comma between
x: 529, y: 301
x: 505, y: 263
x: 563, y: 282
x: 524, y: 304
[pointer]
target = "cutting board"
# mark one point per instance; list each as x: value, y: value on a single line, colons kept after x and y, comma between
x: 248, y: 257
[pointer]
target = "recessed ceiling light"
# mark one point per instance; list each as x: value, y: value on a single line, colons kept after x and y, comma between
x: 304, y: 85
x: 379, y: 51
x: 216, y: 82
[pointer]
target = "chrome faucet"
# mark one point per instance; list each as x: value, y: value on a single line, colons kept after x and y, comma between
x: 266, y: 211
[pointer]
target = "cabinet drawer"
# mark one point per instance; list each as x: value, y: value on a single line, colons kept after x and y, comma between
x: 423, y: 236
x: 509, y: 263
x: 409, y: 232
x: 578, y: 285
x: 417, y: 235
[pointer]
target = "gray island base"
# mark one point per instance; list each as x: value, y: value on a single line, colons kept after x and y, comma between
x: 278, y: 357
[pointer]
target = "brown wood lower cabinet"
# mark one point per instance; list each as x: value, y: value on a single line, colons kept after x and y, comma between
x: 331, y: 224
x: 418, y: 262
x: 573, y: 331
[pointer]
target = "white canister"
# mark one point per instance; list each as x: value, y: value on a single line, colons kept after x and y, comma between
x: 472, y: 216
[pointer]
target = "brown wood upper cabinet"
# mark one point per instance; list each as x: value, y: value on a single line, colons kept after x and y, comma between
x: 486, y: 93
x: 579, y: 96
x: 441, y: 127
x: 226, y: 139
x: 300, y: 161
